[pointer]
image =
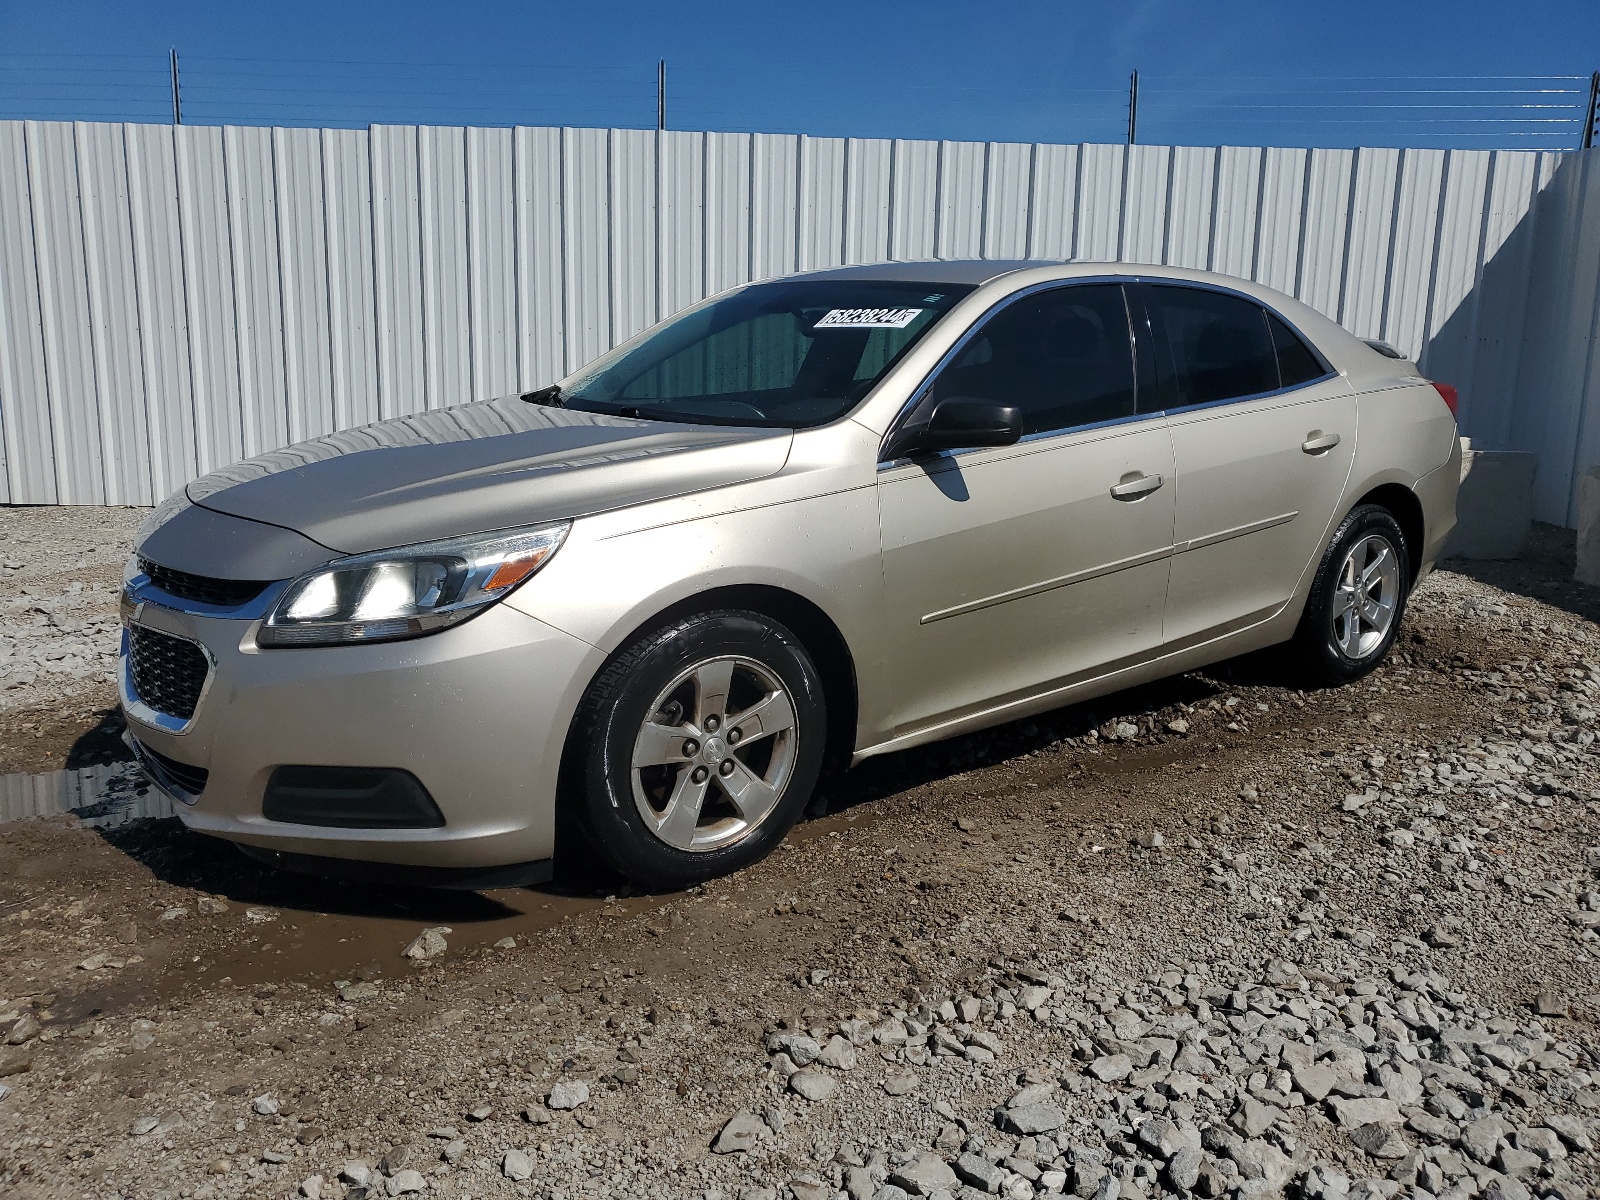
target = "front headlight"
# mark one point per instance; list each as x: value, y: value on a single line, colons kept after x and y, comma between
x: 408, y: 591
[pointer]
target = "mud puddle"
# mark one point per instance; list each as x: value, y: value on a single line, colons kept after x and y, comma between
x: 318, y: 941
x: 280, y: 929
x: 100, y: 796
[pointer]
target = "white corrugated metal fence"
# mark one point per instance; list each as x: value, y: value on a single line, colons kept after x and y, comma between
x: 174, y: 299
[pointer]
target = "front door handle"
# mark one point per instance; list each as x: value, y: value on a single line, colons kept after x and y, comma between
x: 1318, y: 442
x: 1134, y: 485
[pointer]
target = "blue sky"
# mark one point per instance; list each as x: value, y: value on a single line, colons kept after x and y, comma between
x: 1327, y: 72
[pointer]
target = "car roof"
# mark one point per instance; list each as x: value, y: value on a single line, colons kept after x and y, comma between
x: 980, y: 271
x: 967, y: 270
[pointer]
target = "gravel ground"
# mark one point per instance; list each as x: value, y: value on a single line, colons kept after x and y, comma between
x: 1213, y: 937
x: 60, y: 571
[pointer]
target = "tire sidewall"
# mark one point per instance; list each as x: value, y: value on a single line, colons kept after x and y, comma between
x: 1316, y: 633
x: 617, y: 705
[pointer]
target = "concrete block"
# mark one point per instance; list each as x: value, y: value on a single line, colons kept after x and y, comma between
x: 1494, y: 508
x: 1588, y: 570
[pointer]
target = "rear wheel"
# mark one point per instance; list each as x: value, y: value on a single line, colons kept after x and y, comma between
x: 1357, y: 599
x: 698, y: 747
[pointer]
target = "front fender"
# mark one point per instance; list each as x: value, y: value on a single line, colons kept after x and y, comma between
x: 605, y: 586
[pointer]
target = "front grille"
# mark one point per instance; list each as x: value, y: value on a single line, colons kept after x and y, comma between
x: 168, y: 673
x: 203, y: 589
x: 190, y: 779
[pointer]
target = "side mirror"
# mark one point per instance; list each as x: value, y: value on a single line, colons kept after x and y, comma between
x: 957, y: 423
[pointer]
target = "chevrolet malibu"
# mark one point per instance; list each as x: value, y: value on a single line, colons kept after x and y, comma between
x: 810, y: 520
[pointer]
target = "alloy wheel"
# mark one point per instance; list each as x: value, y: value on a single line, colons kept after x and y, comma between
x: 1367, y: 596
x: 715, y: 754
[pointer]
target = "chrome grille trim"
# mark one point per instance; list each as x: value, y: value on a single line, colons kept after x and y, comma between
x: 164, y: 677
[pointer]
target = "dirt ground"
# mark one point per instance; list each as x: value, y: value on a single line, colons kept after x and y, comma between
x: 60, y: 571
x: 203, y: 1027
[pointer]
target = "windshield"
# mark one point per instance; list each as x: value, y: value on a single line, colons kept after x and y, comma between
x: 780, y: 355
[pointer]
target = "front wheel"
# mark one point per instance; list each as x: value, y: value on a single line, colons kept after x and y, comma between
x: 697, y: 748
x: 1357, y: 599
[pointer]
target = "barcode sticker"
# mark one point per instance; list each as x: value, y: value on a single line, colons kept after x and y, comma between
x: 869, y: 318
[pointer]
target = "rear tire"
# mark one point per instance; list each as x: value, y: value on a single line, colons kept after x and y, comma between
x: 1357, y: 599
x: 697, y: 748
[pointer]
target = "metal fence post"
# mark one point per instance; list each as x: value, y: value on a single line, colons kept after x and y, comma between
x: 177, y: 106
x: 1587, y: 141
x: 1133, y: 108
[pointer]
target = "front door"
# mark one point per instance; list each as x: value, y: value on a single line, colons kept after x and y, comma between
x: 1010, y: 571
x: 1264, y: 435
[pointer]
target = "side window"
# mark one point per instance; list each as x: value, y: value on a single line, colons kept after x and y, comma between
x: 1296, y: 363
x: 1063, y: 357
x: 1220, y: 345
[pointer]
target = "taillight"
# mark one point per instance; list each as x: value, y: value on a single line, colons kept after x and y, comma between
x: 1450, y: 397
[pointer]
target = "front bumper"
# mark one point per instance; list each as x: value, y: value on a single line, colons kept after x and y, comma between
x: 478, y: 713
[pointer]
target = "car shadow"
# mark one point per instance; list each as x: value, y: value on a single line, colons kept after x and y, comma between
x: 177, y: 855
x: 99, y: 745
x: 1542, y: 572
x: 889, y: 774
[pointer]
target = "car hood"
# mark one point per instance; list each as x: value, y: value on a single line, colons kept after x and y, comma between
x: 493, y: 464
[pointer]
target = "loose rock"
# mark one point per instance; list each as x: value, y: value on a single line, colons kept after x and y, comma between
x: 740, y: 1134
x: 813, y: 1084
x: 568, y: 1094
x: 924, y: 1175
x: 428, y: 944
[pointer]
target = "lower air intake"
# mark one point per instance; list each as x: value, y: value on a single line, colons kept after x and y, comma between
x: 350, y: 798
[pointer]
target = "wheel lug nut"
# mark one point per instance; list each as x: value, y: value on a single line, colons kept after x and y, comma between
x: 690, y: 748
x: 712, y: 723
x: 734, y: 735
x: 699, y: 775
x: 726, y: 768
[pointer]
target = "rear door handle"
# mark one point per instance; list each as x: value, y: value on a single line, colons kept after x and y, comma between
x: 1132, y: 488
x: 1318, y: 442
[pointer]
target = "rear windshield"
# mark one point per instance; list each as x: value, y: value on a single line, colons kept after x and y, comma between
x: 781, y: 355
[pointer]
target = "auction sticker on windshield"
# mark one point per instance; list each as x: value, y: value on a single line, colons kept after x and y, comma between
x: 869, y: 318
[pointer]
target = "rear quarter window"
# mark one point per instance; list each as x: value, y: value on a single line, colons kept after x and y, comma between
x: 1297, y: 362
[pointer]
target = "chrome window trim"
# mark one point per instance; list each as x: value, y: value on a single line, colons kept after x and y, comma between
x: 1208, y: 286
x: 1252, y: 397
x: 1028, y: 439
x: 1129, y: 420
x: 137, y: 708
x: 921, y: 391
x: 1108, y: 423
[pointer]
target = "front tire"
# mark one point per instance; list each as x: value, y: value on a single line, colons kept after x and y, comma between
x: 697, y: 748
x: 1359, y: 595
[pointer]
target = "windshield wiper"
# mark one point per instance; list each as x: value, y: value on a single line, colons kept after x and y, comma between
x: 550, y: 396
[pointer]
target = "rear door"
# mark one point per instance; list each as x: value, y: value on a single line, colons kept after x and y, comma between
x: 1012, y: 570
x: 1264, y: 435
